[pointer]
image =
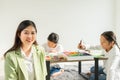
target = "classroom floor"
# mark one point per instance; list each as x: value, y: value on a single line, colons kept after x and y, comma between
x: 70, y: 73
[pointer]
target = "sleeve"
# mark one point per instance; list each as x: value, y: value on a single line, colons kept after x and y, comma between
x: 44, y: 63
x: 10, y: 70
x: 93, y: 47
x: 42, y: 57
x: 113, y: 73
x: 60, y: 48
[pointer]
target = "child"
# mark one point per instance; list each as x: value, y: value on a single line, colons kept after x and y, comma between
x: 52, y: 46
x: 111, y: 68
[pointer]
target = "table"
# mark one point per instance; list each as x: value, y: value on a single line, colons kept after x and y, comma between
x: 79, y: 59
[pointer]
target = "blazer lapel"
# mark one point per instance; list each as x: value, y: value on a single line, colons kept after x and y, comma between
x: 22, y: 64
x: 37, y: 66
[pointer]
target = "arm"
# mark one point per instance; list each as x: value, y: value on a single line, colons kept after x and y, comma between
x: 10, y: 69
x: 41, y: 53
x: 60, y: 48
x: 114, y: 70
x: 89, y: 47
x: 93, y: 47
x: 57, y: 49
x: 44, y: 63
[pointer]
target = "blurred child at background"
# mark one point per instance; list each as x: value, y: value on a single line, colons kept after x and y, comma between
x: 52, y: 46
x: 110, y: 48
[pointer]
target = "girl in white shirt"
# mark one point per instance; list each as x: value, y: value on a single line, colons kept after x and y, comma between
x: 111, y: 50
x: 52, y: 46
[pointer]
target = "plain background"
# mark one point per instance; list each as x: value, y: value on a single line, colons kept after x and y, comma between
x: 73, y: 20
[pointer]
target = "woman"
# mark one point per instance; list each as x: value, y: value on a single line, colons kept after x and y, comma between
x: 111, y: 67
x: 25, y: 60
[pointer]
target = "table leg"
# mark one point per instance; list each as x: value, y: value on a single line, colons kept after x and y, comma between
x: 96, y: 68
x: 79, y: 67
x: 48, y: 70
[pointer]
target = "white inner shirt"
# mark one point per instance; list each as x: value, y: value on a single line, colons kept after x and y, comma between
x: 28, y: 60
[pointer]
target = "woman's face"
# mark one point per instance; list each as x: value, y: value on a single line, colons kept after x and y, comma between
x: 105, y: 43
x: 51, y: 44
x: 28, y: 36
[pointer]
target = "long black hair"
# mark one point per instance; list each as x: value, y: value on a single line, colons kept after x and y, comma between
x: 17, y: 42
x: 110, y: 36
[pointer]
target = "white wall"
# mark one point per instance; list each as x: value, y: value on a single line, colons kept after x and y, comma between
x: 71, y: 19
x: 118, y: 20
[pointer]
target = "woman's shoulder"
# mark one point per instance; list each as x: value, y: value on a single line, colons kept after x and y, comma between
x: 13, y: 53
x: 10, y: 54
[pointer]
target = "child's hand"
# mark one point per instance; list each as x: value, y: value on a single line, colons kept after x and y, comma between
x: 81, y: 46
x: 48, y: 58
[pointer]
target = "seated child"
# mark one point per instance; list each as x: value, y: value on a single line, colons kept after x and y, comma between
x: 110, y: 49
x: 52, y: 46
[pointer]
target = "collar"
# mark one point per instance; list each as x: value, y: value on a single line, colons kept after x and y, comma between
x: 24, y: 55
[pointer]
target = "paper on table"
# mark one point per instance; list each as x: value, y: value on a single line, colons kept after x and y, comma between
x: 96, y: 53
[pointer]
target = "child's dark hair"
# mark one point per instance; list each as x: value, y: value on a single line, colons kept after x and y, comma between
x: 110, y: 36
x: 53, y: 37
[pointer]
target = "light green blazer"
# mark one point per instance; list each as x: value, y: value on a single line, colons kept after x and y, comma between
x: 15, y: 67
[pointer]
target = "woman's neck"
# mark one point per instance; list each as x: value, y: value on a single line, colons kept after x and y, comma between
x: 26, y: 49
